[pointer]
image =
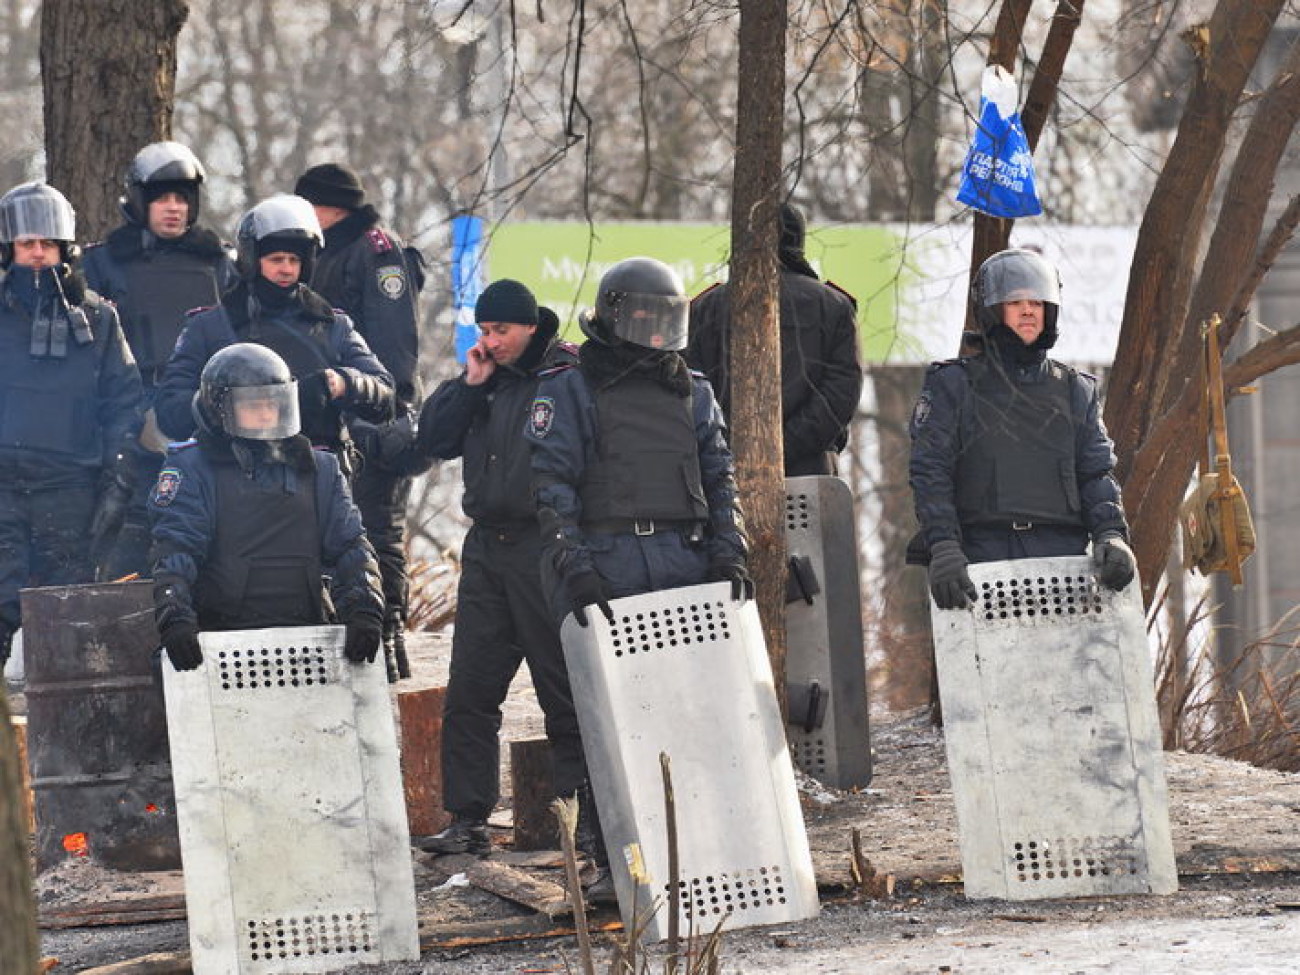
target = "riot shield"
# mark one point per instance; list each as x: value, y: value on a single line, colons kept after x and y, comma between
x: 684, y: 673
x: 293, y: 829
x: 826, y: 671
x: 1052, y: 735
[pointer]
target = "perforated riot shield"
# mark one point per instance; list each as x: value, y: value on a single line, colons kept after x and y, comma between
x: 293, y: 829
x: 1052, y: 735
x: 684, y: 673
x: 825, y: 666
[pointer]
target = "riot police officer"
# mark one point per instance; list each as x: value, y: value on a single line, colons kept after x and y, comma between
x: 247, y: 517
x: 821, y: 369
x: 69, y: 403
x: 634, y: 480
x: 1010, y: 458
x: 277, y: 242
x: 367, y: 272
x: 159, y: 264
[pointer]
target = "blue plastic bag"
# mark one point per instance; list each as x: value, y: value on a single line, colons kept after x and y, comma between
x: 998, y: 175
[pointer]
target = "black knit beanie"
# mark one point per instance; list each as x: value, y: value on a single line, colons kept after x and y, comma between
x: 331, y: 185
x: 506, y: 301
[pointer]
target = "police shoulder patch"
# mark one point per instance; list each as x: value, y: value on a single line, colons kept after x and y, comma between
x: 541, y: 415
x: 169, y: 483
x: 379, y: 241
x: 392, y: 281
x: 921, y: 411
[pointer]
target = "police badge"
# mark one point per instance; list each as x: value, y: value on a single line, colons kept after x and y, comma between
x: 392, y: 281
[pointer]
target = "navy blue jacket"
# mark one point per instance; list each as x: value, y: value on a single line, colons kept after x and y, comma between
x: 942, y: 425
x: 183, y: 513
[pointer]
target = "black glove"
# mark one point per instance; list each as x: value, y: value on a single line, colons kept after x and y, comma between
x: 362, y: 637
x: 1114, y: 560
x: 949, y: 581
x: 181, y: 641
x: 314, y: 399
x: 742, y: 586
x: 585, y: 588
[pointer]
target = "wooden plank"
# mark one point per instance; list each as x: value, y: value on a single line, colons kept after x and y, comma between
x: 60, y: 922
x: 522, y: 888
x: 474, y: 933
x: 19, y: 722
x: 419, y: 719
x: 531, y: 792
x: 158, y: 963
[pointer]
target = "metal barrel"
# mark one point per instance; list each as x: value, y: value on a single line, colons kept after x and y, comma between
x: 97, y: 728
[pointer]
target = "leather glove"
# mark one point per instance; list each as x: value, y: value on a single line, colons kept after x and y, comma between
x: 111, y: 505
x: 742, y: 586
x: 586, y: 588
x: 362, y: 637
x: 314, y: 398
x: 181, y: 640
x: 949, y: 581
x: 1114, y: 560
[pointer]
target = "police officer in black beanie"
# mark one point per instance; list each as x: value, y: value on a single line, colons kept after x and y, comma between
x: 502, y: 617
x: 367, y: 272
x: 821, y: 370
x: 158, y: 265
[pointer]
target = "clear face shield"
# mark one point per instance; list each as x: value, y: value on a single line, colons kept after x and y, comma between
x: 36, y: 216
x: 1018, y: 279
x: 261, y: 412
x: 656, y: 322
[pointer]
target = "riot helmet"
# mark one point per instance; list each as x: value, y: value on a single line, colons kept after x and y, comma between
x: 282, y: 223
x: 247, y: 391
x: 641, y: 301
x: 38, y: 211
x: 162, y: 167
x: 1014, y: 275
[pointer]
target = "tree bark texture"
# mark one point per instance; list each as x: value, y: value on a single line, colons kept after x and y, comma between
x: 108, y: 73
x: 17, y: 905
x: 1158, y: 423
x: 755, y: 338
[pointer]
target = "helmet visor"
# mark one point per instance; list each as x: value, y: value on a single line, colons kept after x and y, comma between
x: 261, y: 412
x: 1020, y: 278
x: 656, y: 322
x: 36, y: 216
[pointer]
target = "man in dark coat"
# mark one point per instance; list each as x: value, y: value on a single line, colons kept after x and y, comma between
x: 821, y: 370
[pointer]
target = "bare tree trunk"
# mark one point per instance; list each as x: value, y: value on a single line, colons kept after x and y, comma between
x: 17, y: 906
x: 108, y: 72
x: 755, y: 363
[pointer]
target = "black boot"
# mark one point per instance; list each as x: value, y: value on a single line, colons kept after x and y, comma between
x: 395, y: 662
x: 588, y: 839
x: 464, y: 835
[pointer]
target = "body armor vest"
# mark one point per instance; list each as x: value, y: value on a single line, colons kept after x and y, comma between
x: 1017, y: 466
x: 48, y: 404
x: 647, y: 461
x: 160, y: 289
x: 264, y: 567
x: 304, y: 353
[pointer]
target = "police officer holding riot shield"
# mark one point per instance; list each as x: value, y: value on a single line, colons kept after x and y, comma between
x: 367, y: 272
x: 337, y: 374
x: 247, y: 519
x: 821, y: 370
x: 70, y: 404
x: 158, y: 265
x: 1010, y: 458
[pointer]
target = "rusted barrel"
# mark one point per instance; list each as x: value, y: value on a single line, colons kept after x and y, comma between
x: 97, y: 728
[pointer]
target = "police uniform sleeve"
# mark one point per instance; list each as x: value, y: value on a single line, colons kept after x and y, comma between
x: 180, y: 380
x: 369, y: 392
x: 1099, y: 491
x: 121, y: 392
x: 345, y: 549
x: 725, y: 535
x: 936, y: 443
x: 447, y: 415
x: 182, y: 511
x: 387, y: 312
x: 560, y: 427
x: 706, y: 348
x: 822, y: 420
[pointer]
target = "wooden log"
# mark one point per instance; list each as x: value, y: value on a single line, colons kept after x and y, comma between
x: 468, y: 934
x: 158, y: 963
x: 505, y: 881
x: 19, y: 722
x: 531, y: 791
x: 419, y: 716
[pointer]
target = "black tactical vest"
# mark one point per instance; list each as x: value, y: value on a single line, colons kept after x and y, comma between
x: 305, y: 350
x: 160, y: 289
x: 647, y: 462
x: 263, y: 567
x: 1017, y: 460
x: 49, y: 404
